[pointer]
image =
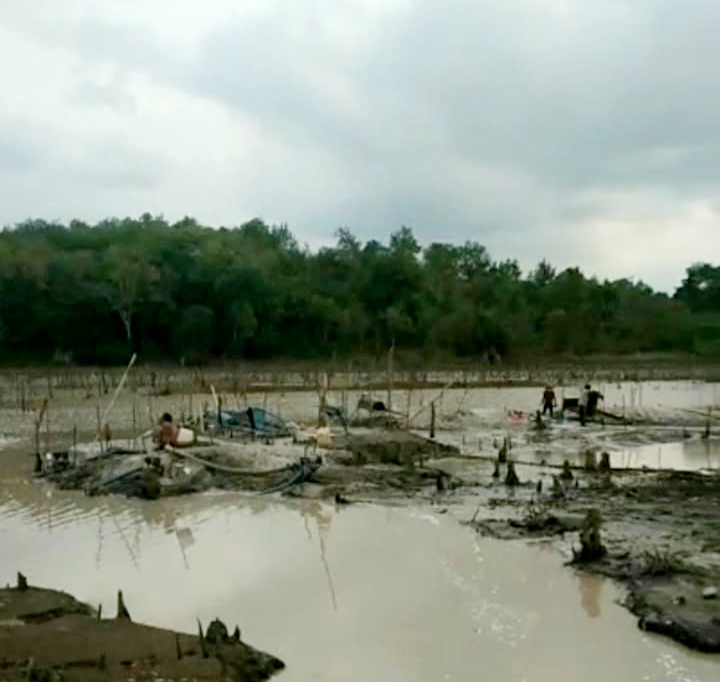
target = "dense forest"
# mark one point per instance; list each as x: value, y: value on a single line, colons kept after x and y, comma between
x: 184, y: 292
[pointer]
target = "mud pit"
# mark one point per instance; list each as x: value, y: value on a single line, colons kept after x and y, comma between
x: 49, y: 636
x: 637, y: 525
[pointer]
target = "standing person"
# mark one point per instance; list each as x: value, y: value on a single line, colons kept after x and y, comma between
x: 594, y: 397
x: 549, y: 401
x: 583, y: 404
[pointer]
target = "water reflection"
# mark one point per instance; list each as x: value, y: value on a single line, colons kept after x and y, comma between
x: 591, y: 593
x: 689, y: 455
x: 423, y: 599
x: 185, y: 540
x: 323, y: 522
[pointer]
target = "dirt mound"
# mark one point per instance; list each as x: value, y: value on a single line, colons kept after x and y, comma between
x: 48, y: 635
x: 396, y: 447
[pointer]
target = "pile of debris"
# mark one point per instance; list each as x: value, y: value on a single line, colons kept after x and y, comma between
x: 255, y: 451
x: 170, y: 471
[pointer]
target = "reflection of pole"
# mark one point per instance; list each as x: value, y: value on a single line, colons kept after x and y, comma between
x: 98, y: 554
x: 179, y: 534
x: 182, y: 551
x: 323, y: 525
x: 322, y: 530
x: 124, y: 539
x: 590, y: 591
x: 118, y: 389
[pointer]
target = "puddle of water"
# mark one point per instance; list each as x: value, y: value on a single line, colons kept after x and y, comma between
x: 687, y: 456
x: 649, y: 394
x: 365, y: 593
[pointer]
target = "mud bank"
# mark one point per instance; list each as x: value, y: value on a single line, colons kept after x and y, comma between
x: 374, y: 464
x: 660, y: 537
x: 49, y: 636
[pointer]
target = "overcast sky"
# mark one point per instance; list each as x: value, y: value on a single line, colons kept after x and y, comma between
x: 586, y: 132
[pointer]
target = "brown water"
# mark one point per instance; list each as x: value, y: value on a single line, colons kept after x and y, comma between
x: 365, y: 593
x: 692, y: 455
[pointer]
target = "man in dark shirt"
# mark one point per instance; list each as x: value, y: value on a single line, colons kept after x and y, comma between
x: 548, y: 400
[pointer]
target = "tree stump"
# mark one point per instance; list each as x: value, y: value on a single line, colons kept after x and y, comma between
x: 590, y: 461
x: 511, y: 478
x: 122, y: 611
x: 591, y: 547
x: 605, y: 462
x: 502, y: 453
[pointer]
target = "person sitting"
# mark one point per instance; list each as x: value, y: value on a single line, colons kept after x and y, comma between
x: 167, y: 432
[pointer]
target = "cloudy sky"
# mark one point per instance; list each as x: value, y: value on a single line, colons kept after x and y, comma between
x: 582, y: 131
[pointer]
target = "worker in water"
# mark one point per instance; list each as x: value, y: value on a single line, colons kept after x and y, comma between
x: 549, y: 401
x: 167, y: 432
x: 583, y: 404
x: 593, y: 398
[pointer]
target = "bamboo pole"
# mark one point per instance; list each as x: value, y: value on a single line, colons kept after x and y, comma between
x: 118, y: 389
x: 432, y: 402
x: 38, y: 424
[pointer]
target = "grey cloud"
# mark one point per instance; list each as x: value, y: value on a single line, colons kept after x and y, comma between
x: 113, y: 162
x: 103, y: 88
x: 492, y: 121
x: 15, y: 155
x: 577, y: 99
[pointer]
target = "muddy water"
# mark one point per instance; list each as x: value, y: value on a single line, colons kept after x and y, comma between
x: 649, y: 394
x: 693, y: 455
x: 396, y: 594
x: 366, y: 592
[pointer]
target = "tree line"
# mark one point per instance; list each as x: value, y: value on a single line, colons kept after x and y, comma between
x: 183, y: 291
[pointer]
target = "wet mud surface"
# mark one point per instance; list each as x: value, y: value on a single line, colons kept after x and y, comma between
x: 373, y: 465
x: 47, y: 635
x: 661, y: 535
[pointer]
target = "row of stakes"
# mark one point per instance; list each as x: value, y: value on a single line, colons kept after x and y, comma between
x: 512, y: 479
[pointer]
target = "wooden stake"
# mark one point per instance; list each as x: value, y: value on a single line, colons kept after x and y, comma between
x: 47, y: 427
x: 391, y: 354
x: 38, y: 423
x: 119, y: 388
x: 122, y: 611
x: 432, y: 402
x: 99, y: 426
